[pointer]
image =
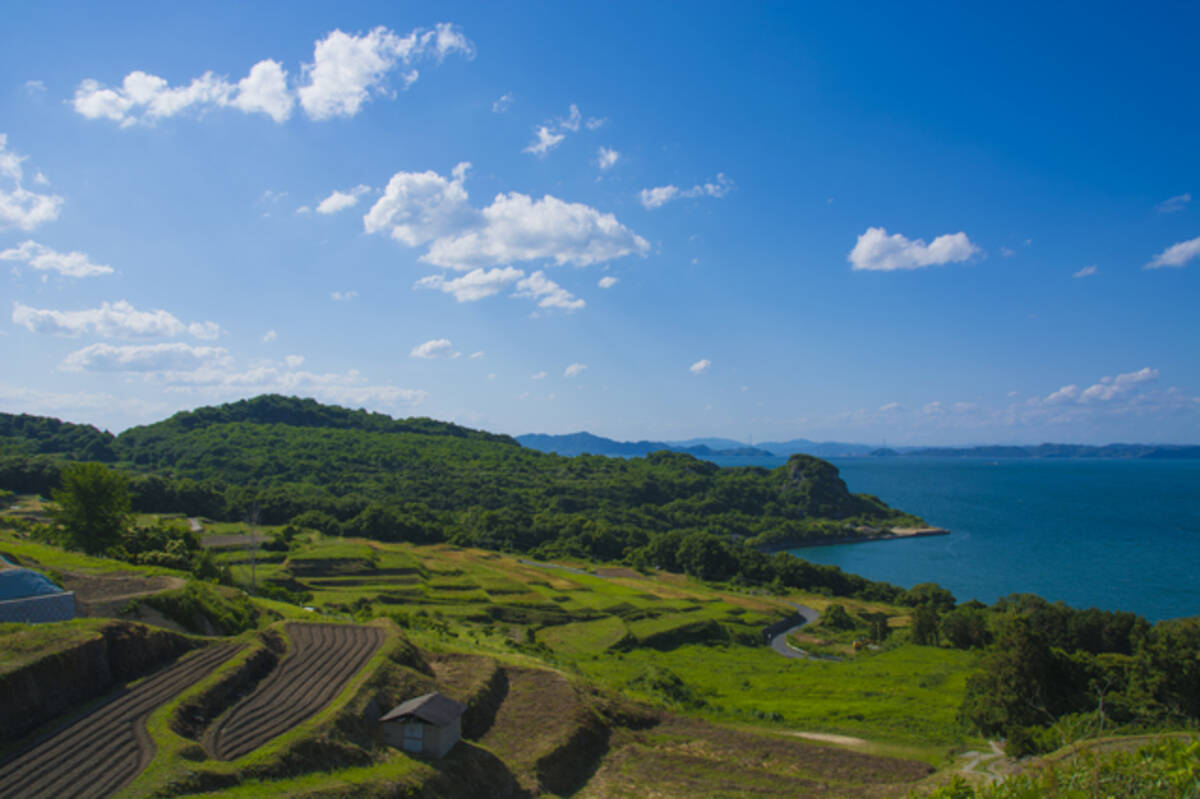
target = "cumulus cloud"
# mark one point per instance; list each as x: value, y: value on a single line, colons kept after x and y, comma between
x: 342, y: 296
x: 503, y: 103
x: 419, y: 207
x: 175, y: 356
x: 346, y: 71
x: 1173, y: 204
x: 1177, y: 254
x: 474, y: 285
x: 68, y: 264
x: 547, y: 293
x: 574, y: 370
x: 607, y: 282
x: 341, y: 200
x: 424, y: 208
x: 269, y: 336
x: 294, y: 361
x: 343, y: 388
x: 877, y: 251
x: 434, y: 348
x: 661, y: 195
x: 116, y: 320
x: 606, y: 157
x: 700, y: 366
x: 19, y: 207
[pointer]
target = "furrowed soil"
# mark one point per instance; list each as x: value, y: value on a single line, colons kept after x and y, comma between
x: 98, y: 754
x: 323, y: 659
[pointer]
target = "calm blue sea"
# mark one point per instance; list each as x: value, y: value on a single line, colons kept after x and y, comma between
x: 1113, y: 534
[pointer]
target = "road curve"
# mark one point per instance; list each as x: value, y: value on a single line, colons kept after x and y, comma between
x: 805, y: 615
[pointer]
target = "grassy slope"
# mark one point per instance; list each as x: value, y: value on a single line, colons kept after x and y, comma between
x: 457, y: 600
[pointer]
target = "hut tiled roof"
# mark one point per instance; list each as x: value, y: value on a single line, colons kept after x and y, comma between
x: 431, y: 708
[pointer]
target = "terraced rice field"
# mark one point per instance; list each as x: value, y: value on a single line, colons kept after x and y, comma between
x: 104, y: 750
x: 323, y: 659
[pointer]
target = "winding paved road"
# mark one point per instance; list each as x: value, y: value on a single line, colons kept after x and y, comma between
x: 779, y: 641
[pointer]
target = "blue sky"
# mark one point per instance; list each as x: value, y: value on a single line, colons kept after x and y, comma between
x: 919, y: 224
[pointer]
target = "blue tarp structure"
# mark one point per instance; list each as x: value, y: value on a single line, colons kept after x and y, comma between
x: 21, y: 583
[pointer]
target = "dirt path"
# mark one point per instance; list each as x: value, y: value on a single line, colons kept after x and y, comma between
x: 107, y: 594
x: 323, y: 659
x: 101, y: 752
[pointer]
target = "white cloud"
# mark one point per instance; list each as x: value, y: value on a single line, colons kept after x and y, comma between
x: 345, y: 388
x: 661, y: 195
x: 434, y: 348
x: 35, y: 87
x: 475, y: 355
x: 1086, y: 271
x: 502, y: 104
x: 418, y: 207
x: 19, y: 207
x: 607, y: 157
x: 544, y: 141
x: 1173, y: 204
x: 1110, y: 388
x: 341, y: 200
x: 269, y: 336
x: 346, y: 71
x: 700, y: 366
x: 878, y: 251
x: 1007, y: 253
x: 890, y: 407
x: 264, y: 90
x: 294, y: 361
x: 342, y: 296
x: 118, y: 320
x: 574, y: 370
x: 1064, y: 394
x: 474, y: 285
x: 515, y: 227
x: 425, y: 208
x: 607, y: 282
x: 658, y: 196
x: 1177, y: 254
x: 548, y: 293
x: 549, y: 135
x: 538, y: 376
x: 175, y: 356
x: 69, y: 264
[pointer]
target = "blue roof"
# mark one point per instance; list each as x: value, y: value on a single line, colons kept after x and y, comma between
x: 20, y: 583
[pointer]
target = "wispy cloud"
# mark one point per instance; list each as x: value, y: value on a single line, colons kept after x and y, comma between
x: 1173, y: 204
x: 1176, y: 255
x: 1087, y: 271
x: 659, y: 196
x: 116, y: 320
x: 434, y: 348
x: 700, y: 366
x: 341, y: 200
x: 42, y: 258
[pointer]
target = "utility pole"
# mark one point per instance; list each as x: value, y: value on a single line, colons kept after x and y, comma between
x: 252, y: 523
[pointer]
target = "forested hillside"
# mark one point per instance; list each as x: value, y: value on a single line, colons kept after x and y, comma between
x: 281, y: 459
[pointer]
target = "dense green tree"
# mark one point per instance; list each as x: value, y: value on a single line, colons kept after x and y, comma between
x: 93, y: 506
x: 925, y: 620
x: 966, y: 627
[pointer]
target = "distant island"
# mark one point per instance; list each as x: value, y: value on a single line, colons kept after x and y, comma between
x: 587, y: 443
x: 1139, y: 451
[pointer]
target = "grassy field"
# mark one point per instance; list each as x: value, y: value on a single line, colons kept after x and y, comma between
x: 663, y: 640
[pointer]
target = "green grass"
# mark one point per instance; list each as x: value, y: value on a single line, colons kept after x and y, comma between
x: 52, y: 557
x: 584, y: 637
x: 21, y: 644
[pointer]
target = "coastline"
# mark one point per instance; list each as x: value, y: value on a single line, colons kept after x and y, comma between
x: 898, y: 533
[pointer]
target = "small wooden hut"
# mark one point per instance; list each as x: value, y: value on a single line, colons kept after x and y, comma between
x: 428, y: 725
